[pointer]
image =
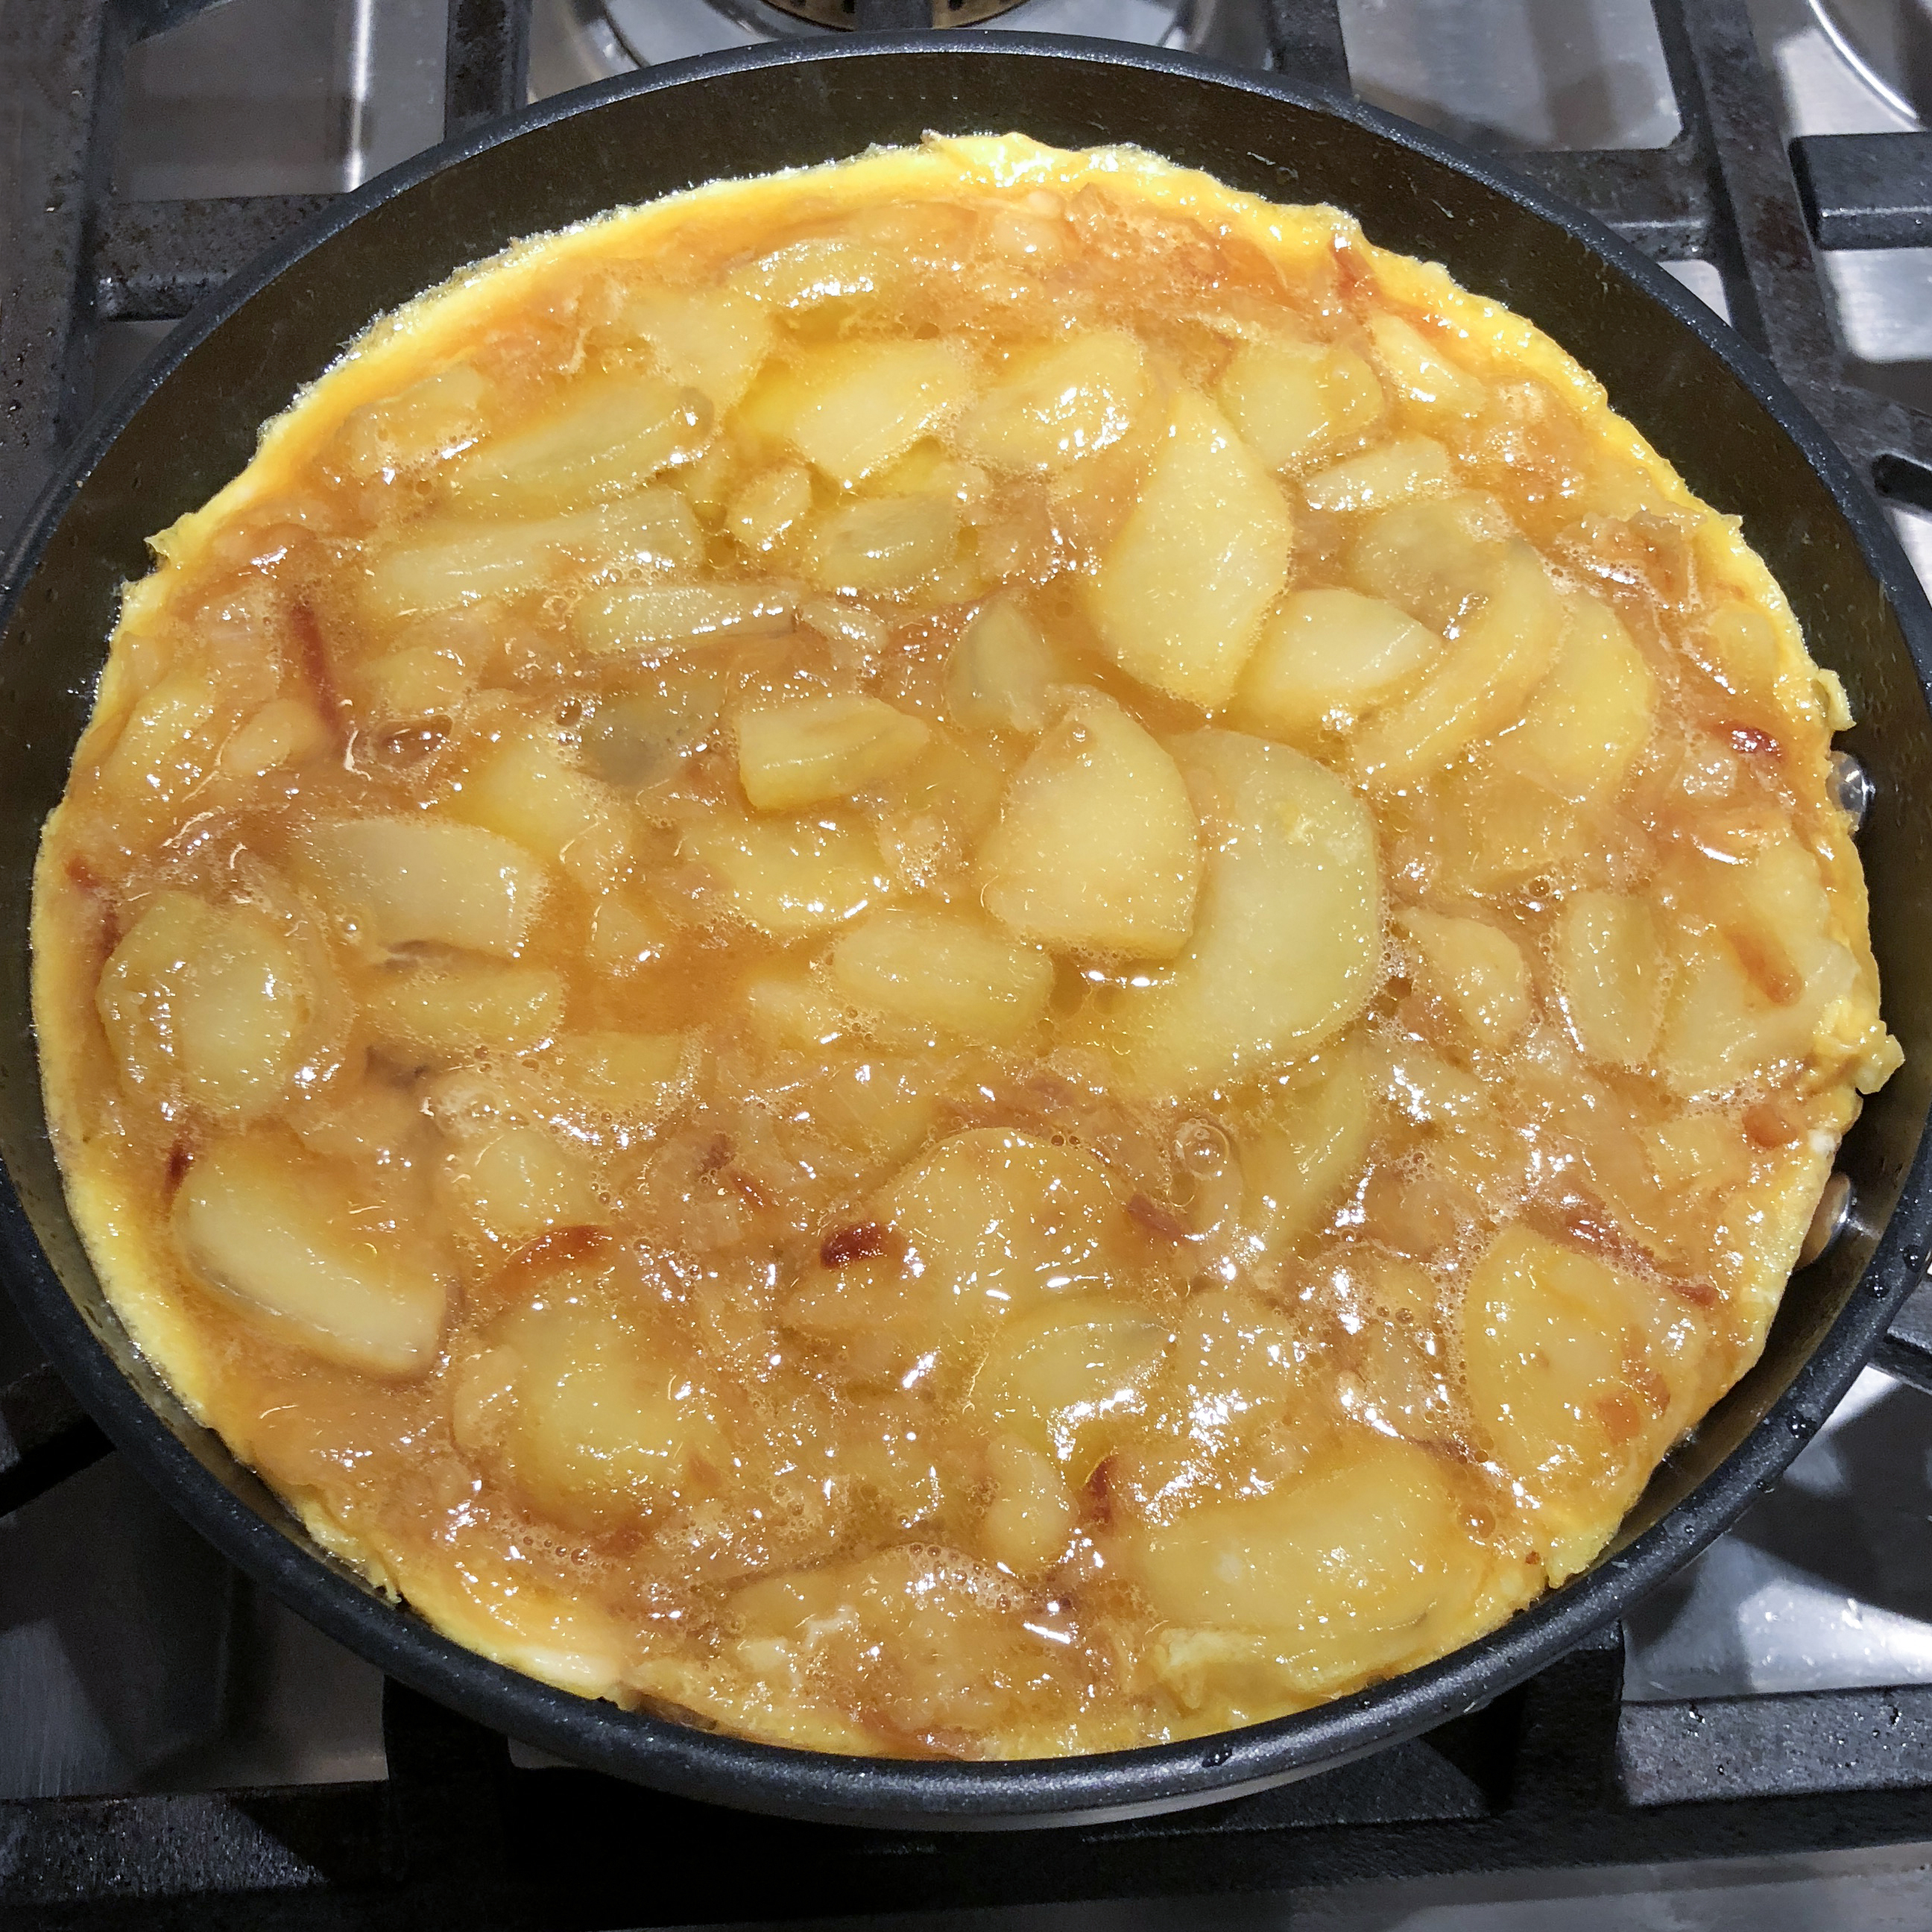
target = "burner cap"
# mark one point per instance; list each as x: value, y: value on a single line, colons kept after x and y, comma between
x: 888, y: 13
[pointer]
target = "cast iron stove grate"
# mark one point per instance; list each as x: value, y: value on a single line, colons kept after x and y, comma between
x: 1558, y: 1773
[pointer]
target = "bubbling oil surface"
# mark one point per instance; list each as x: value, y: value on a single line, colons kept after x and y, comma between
x: 959, y: 966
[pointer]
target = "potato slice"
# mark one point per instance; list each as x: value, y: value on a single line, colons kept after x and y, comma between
x: 1064, y: 1379
x: 409, y: 881
x: 943, y: 972
x: 1591, y: 716
x: 1179, y: 597
x: 650, y: 617
x: 1566, y: 1375
x: 1423, y: 374
x: 443, y: 563
x: 1475, y: 969
x: 1350, y: 1568
x: 1437, y: 558
x: 1060, y: 402
x: 771, y: 504
x: 1758, y: 969
x: 529, y: 789
x: 997, y: 676
x: 429, y: 422
x: 208, y: 1004
x: 263, y: 1221
x: 451, y: 1010
x: 1495, y: 662
x: 1306, y: 1145
x: 1233, y: 1367
x: 1029, y: 1515
x: 1610, y: 967
x: 994, y: 1221
x: 608, y: 1418
x: 1292, y: 400
x: 1096, y: 847
x: 1393, y: 471
x: 810, y: 749
x: 851, y: 408
x: 882, y: 546
x: 1326, y: 657
x: 790, y: 877
x: 513, y: 1184
x: 710, y: 340
x: 602, y: 437
x: 1287, y: 943
x: 170, y: 741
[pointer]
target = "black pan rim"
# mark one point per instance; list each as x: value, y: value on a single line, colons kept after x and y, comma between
x: 721, y: 1769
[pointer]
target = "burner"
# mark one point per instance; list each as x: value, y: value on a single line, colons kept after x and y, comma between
x: 902, y: 15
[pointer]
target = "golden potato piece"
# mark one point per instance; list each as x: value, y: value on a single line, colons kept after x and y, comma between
x: 1064, y: 1379
x: 710, y: 340
x: 1565, y: 1374
x: 997, y: 676
x: 1179, y: 597
x: 851, y: 408
x: 1234, y: 1366
x: 1097, y: 847
x: 1292, y: 400
x: 1476, y: 970
x: 607, y: 1416
x: 600, y: 439
x: 1592, y: 715
x: 1758, y: 969
x: 790, y: 877
x: 1611, y: 971
x: 943, y: 972
x: 444, y: 563
x: 994, y: 1220
x: 282, y: 1232
x: 529, y: 789
x: 882, y: 546
x: 1056, y: 403
x: 807, y: 750
x: 1393, y: 471
x: 1421, y: 372
x: 208, y: 1004
x: 1327, y: 656
x: 406, y: 881
x: 1350, y: 1568
x: 1287, y: 943
x: 771, y: 504
x: 448, y: 1010
x: 1029, y: 1515
x: 1494, y: 663
x: 434, y: 419
x: 649, y: 617
x: 1306, y: 1144
x: 515, y: 1183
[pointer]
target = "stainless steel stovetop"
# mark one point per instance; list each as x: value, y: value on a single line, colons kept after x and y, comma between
x: 132, y: 1658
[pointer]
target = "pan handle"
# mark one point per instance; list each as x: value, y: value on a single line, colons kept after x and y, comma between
x: 45, y: 1437
x: 1905, y: 1352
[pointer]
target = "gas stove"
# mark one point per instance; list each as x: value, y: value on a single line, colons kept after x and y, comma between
x: 176, y: 1747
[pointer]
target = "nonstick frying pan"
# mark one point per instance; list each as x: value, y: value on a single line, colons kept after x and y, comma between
x: 188, y: 421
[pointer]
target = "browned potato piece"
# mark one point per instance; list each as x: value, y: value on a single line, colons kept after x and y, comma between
x: 1096, y: 847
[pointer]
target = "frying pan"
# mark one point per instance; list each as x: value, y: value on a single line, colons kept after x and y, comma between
x: 188, y: 422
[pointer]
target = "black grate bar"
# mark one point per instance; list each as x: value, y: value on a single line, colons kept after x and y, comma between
x: 1774, y: 1746
x: 154, y: 260
x: 1305, y: 40
x: 1866, y: 190
x: 58, y: 56
x: 487, y: 67
x: 45, y: 1437
x: 1657, y: 198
